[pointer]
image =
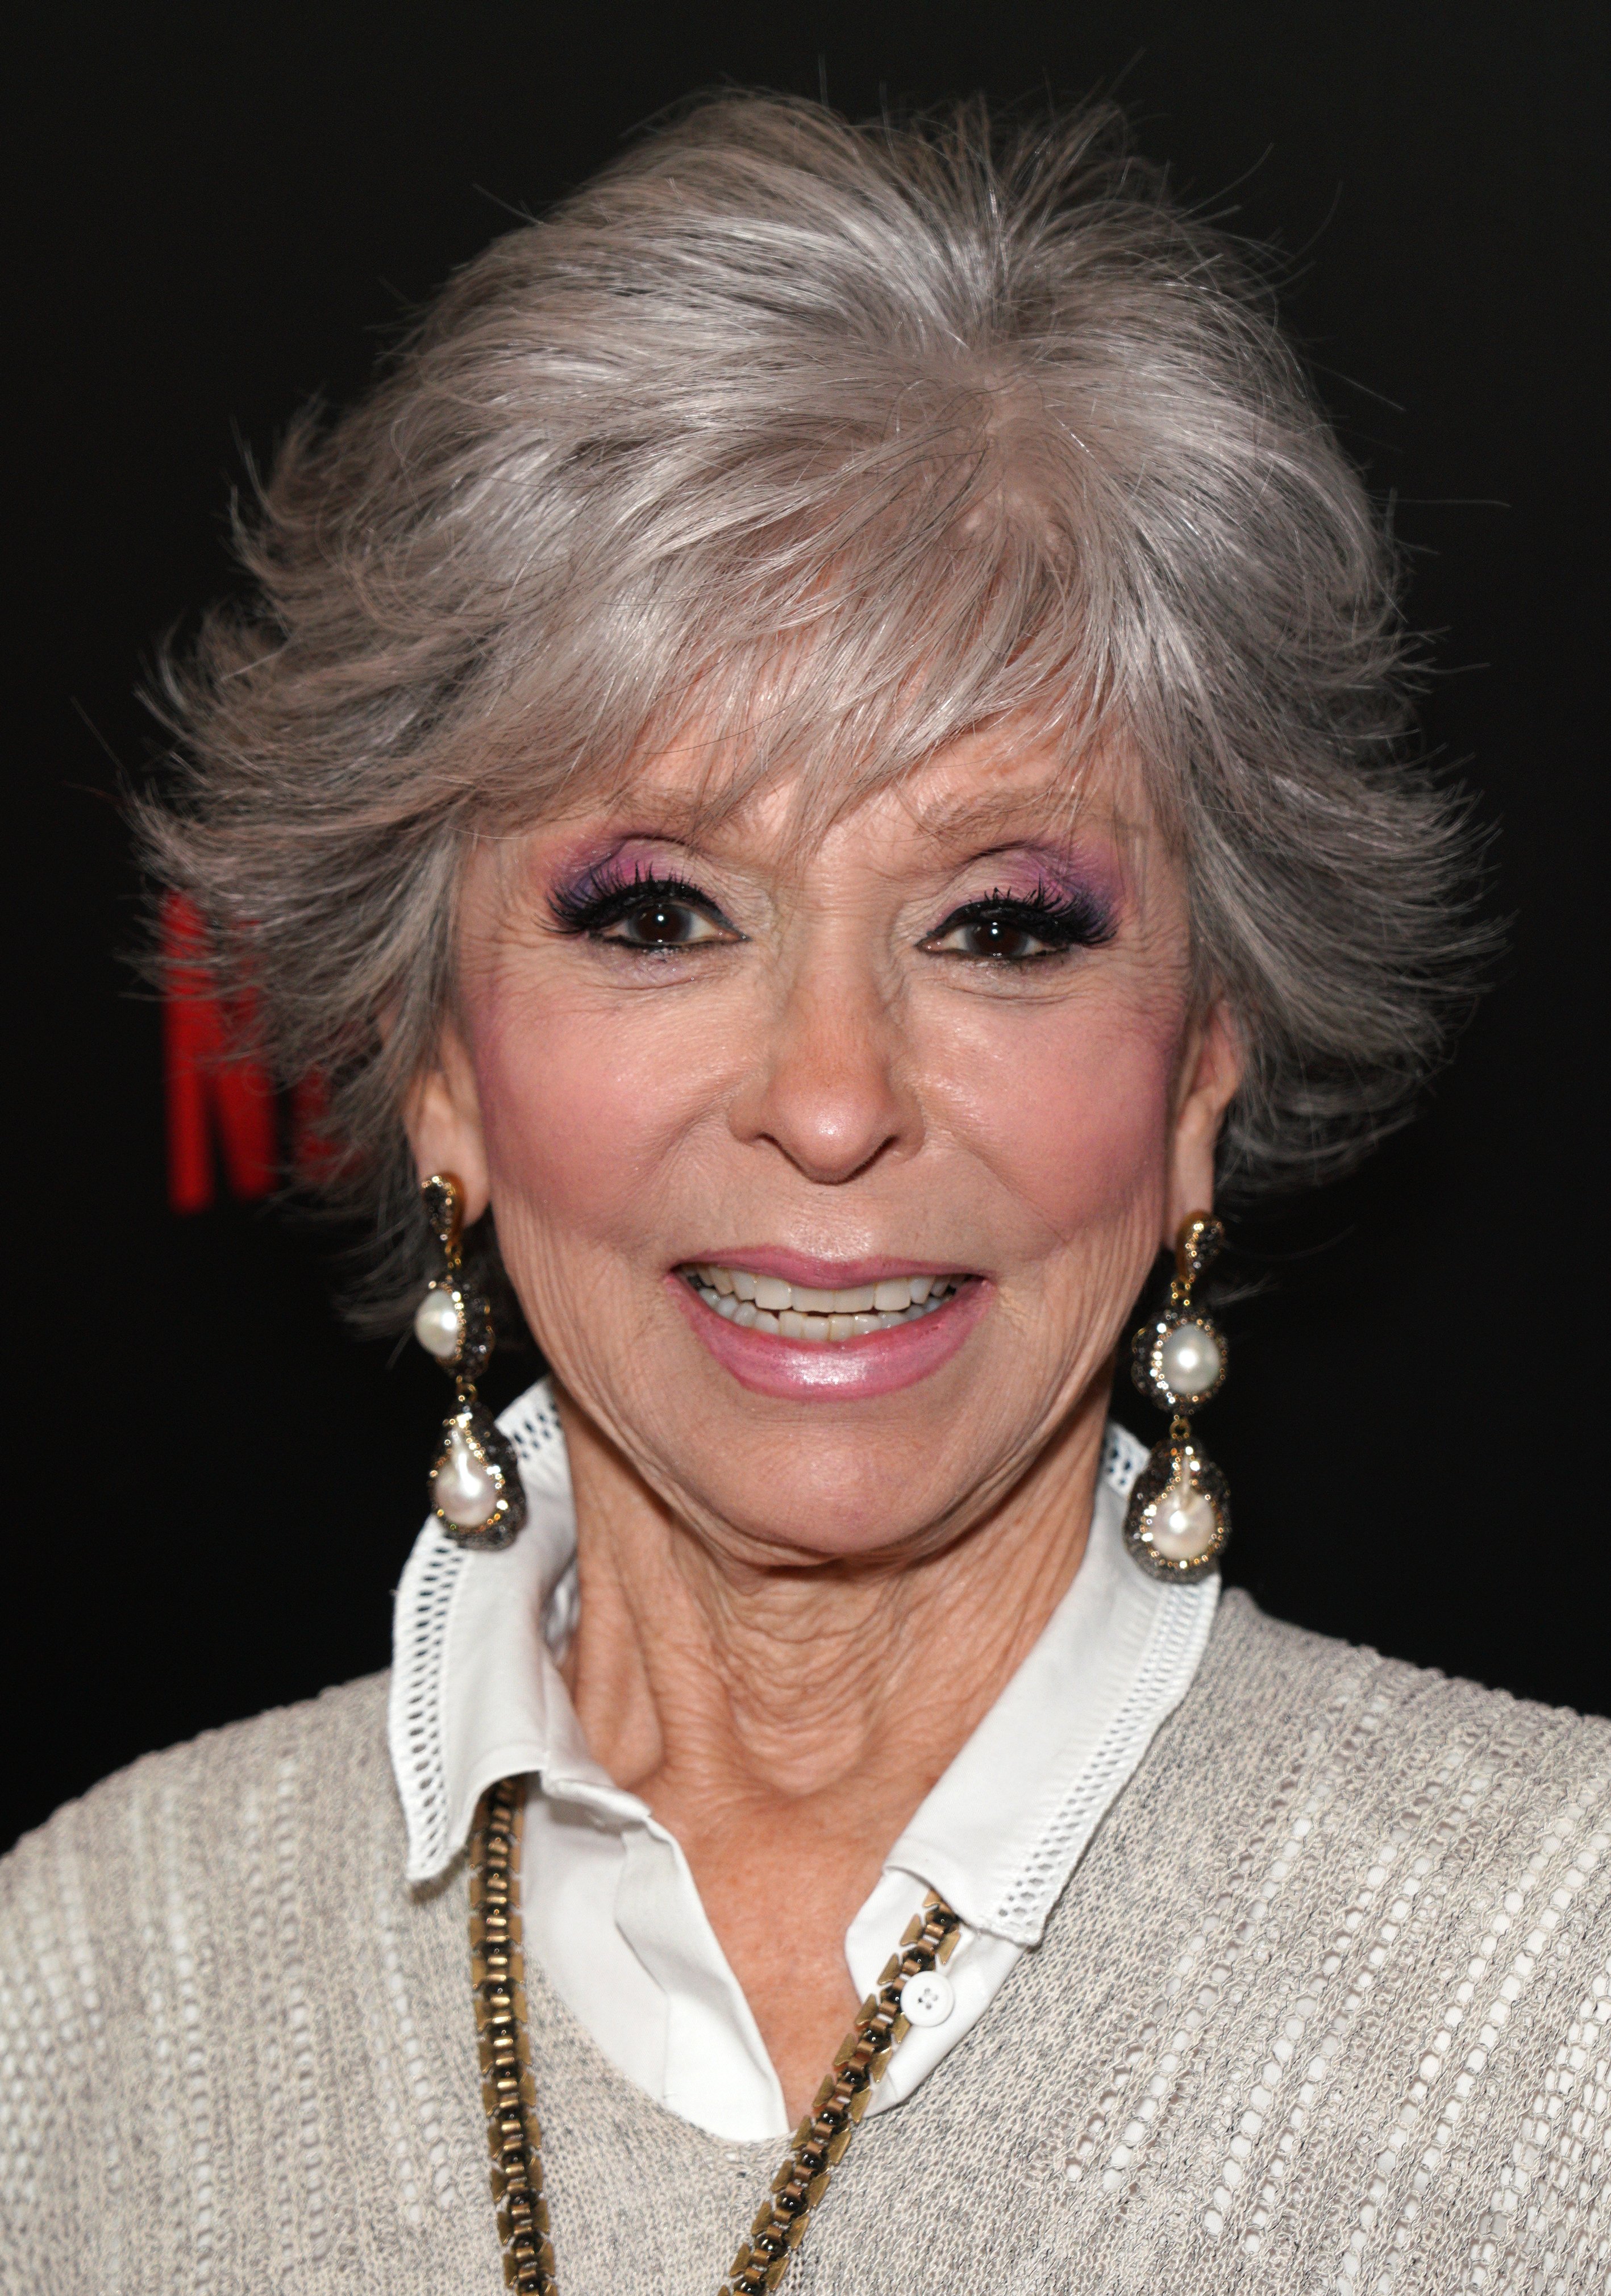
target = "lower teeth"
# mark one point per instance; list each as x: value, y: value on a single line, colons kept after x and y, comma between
x: 817, y: 1330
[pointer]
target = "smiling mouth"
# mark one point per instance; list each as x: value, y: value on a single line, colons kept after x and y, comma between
x: 795, y: 1311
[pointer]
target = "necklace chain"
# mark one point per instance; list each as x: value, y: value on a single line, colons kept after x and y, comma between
x: 509, y: 2090
x: 497, y: 1970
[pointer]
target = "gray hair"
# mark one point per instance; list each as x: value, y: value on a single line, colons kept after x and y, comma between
x: 837, y: 440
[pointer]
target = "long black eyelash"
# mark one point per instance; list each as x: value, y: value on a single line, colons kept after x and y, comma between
x: 1067, y: 920
x: 601, y: 898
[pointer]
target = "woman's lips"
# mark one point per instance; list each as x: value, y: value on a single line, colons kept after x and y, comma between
x: 834, y: 1312
x: 804, y: 1268
x: 873, y: 1363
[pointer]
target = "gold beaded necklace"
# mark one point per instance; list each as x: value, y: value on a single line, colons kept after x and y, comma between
x: 509, y: 2091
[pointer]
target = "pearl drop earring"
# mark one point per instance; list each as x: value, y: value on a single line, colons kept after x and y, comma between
x: 1179, y: 1516
x: 476, y: 1492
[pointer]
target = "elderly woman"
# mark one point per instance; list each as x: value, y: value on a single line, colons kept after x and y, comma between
x: 822, y: 752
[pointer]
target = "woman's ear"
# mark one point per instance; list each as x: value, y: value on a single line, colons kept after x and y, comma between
x: 1212, y: 1069
x: 442, y: 1117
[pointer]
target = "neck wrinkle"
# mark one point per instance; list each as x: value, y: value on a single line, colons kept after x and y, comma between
x: 691, y: 1677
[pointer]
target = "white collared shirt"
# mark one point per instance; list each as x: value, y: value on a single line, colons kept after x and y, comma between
x: 612, y: 1911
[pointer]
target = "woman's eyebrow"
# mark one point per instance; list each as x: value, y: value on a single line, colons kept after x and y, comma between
x: 1006, y: 813
x: 978, y: 828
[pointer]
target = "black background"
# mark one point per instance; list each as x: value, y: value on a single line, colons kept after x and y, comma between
x: 225, y: 211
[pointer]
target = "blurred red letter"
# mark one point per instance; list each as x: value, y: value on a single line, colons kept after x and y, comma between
x: 211, y: 1092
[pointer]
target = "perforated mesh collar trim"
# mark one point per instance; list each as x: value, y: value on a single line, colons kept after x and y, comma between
x: 1000, y: 1833
x: 455, y: 1727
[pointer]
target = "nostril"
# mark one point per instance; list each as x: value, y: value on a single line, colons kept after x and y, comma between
x: 829, y: 1098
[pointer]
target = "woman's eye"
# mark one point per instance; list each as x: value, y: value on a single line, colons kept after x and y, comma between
x: 1000, y: 933
x: 650, y: 913
x: 1001, y: 937
x: 662, y: 923
x: 1020, y: 931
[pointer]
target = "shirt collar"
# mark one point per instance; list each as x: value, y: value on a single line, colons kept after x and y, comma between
x: 1005, y: 1825
x: 476, y: 1696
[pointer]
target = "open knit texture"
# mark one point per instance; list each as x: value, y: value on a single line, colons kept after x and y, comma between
x: 1325, y: 2006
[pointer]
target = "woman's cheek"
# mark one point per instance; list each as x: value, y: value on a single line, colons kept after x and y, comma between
x: 579, y: 1109
x: 1073, y: 1119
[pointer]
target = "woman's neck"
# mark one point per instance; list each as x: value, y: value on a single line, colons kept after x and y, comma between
x: 785, y: 1724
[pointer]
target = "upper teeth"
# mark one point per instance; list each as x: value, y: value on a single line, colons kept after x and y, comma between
x: 799, y: 1312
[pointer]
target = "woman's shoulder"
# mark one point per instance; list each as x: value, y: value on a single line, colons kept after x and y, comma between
x: 1255, y: 1660
x: 1389, y: 1707
x: 98, y: 1858
x: 1348, y: 1930
x: 212, y: 1972
x: 1394, y: 1751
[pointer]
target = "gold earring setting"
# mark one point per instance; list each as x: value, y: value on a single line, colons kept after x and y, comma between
x: 476, y: 1492
x: 1179, y: 1516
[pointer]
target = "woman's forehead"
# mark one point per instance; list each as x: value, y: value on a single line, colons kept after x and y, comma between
x: 995, y: 784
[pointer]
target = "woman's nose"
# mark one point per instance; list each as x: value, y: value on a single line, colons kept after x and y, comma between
x: 832, y: 1093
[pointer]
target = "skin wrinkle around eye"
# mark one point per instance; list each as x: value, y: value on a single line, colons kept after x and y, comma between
x: 655, y: 909
x: 1071, y: 892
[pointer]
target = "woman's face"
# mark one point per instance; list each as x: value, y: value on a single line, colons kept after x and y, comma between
x: 951, y: 1043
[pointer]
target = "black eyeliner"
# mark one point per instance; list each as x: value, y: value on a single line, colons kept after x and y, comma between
x: 1070, y: 920
x: 603, y: 896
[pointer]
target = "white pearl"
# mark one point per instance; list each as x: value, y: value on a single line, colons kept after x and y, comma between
x: 1185, y: 1526
x: 436, y: 1325
x: 1189, y: 1360
x: 466, y: 1487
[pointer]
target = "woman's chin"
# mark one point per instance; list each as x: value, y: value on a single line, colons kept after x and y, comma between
x: 837, y: 1370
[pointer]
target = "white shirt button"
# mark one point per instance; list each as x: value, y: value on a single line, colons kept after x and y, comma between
x: 927, y: 1998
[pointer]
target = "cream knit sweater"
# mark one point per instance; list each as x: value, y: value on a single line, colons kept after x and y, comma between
x: 1326, y: 2006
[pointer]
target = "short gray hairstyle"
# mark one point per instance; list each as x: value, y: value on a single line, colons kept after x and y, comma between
x: 839, y: 440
